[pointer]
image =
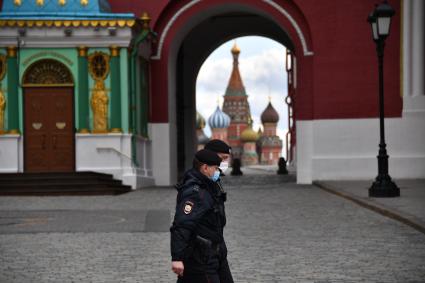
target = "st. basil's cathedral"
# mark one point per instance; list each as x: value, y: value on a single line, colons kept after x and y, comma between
x: 234, y: 124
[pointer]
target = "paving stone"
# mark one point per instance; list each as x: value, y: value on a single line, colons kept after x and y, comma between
x: 277, y: 232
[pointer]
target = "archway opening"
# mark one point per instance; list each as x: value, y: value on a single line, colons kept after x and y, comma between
x: 195, y: 48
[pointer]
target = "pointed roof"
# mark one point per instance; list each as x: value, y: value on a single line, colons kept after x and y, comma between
x: 235, y: 86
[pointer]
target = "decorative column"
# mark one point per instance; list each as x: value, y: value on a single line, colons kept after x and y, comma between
x: 12, y: 88
x: 115, y: 90
x: 83, y: 91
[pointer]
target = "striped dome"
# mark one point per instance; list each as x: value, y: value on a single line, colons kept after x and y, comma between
x: 219, y: 119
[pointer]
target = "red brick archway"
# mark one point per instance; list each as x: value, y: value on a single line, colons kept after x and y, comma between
x: 180, y: 17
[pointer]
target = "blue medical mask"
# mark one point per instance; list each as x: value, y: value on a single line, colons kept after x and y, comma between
x: 216, y: 176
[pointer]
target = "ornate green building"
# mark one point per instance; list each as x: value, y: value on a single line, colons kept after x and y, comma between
x: 74, y: 89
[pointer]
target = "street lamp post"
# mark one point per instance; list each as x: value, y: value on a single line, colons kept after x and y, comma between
x: 380, y: 21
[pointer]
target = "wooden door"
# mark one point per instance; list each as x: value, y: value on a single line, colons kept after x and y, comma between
x: 49, y: 130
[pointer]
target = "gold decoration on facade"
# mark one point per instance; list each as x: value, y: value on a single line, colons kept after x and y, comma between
x: 99, y: 104
x: 84, y: 2
x: 62, y: 2
x: 82, y: 51
x: 47, y: 72
x: 145, y: 20
x: 2, y: 66
x: 60, y: 23
x: 116, y: 130
x: 60, y: 125
x: 39, y: 2
x: 115, y: 50
x: 17, y: 2
x: 2, y: 108
x: 37, y: 126
x: 99, y: 65
x: 14, y: 132
x: 11, y: 51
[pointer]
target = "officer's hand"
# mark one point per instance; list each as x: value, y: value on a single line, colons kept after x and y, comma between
x: 177, y: 267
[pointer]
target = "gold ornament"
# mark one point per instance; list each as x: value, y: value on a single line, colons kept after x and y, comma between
x: 99, y: 104
x: 98, y: 65
x: 62, y: 2
x: 11, y: 51
x: 39, y: 2
x: 115, y: 50
x: 145, y: 20
x: 84, y: 2
x: 2, y: 66
x: 82, y: 51
x: 2, y: 108
x: 47, y: 72
x: 17, y: 2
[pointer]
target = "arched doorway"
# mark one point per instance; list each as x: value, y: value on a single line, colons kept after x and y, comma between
x: 188, y: 68
x: 189, y: 32
x: 48, y: 91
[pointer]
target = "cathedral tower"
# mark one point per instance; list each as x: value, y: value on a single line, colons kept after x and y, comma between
x: 269, y: 144
x: 236, y: 106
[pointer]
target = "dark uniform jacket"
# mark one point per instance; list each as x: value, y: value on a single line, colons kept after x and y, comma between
x: 197, y: 230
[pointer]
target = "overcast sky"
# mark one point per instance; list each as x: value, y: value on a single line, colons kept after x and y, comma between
x: 262, y: 67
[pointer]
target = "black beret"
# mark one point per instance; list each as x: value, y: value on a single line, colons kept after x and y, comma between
x: 208, y: 157
x: 218, y: 146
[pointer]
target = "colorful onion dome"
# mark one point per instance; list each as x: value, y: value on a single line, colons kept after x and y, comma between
x: 219, y: 119
x: 200, y: 121
x: 249, y: 135
x: 269, y: 115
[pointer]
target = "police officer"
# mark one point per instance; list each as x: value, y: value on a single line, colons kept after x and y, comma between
x: 223, y: 150
x: 198, y: 250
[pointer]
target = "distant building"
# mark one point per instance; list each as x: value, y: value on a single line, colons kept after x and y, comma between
x: 234, y: 124
x: 269, y: 145
x: 236, y: 106
x: 248, y: 139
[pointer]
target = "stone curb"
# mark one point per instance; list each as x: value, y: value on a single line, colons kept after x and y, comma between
x: 378, y: 208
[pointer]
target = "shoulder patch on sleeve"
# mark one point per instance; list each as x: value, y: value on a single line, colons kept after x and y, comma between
x: 188, y: 206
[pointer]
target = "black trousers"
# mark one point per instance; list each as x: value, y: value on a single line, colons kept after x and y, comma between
x: 222, y: 275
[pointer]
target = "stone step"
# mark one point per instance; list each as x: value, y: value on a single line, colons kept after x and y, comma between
x: 58, y: 183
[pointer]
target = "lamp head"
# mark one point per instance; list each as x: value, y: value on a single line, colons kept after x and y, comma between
x: 383, y: 14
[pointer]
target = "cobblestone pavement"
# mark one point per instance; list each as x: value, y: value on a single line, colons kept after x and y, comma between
x: 410, y: 205
x: 277, y: 232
